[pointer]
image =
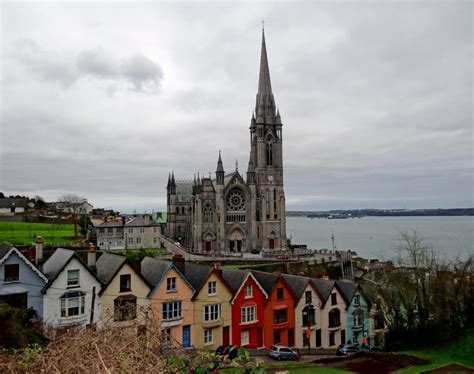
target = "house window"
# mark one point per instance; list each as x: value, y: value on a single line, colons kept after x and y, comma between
x: 212, y: 288
x: 308, y: 297
x: 309, y: 315
x: 332, y: 339
x: 139, y: 240
x: 248, y: 313
x: 212, y: 312
x: 154, y: 229
x: 276, y: 336
x: 125, y: 283
x: 208, y: 336
x: 130, y: 240
x: 334, y: 298
x: 172, y: 310
x: 110, y: 231
x: 119, y: 230
x: 73, y: 278
x: 154, y: 240
x: 207, y: 213
x: 248, y: 290
x: 72, y: 304
x: 130, y: 230
x: 334, y: 318
x: 101, y: 231
x: 244, y: 337
x: 142, y: 230
x: 280, y: 293
x: 357, y: 300
x: 125, y: 308
x: 357, y: 318
x: 170, y: 284
x: 280, y: 316
x: 12, y: 273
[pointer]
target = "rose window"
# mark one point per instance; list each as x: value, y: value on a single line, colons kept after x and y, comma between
x: 236, y: 201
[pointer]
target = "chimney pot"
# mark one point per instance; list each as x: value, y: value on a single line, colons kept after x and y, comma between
x: 39, y: 250
x: 91, y: 256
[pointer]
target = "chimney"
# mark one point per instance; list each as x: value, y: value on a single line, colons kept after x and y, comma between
x: 179, y: 262
x: 218, y: 267
x: 146, y: 218
x: 138, y: 265
x: 91, y: 256
x: 123, y: 221
x: 39, y: 250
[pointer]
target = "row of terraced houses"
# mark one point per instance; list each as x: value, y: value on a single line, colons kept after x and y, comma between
x: 194, y: 305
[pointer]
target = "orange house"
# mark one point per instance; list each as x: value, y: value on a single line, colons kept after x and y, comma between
x: 279, y: 310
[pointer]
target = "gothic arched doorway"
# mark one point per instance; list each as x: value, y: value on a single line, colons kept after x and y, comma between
x: 236, y: 240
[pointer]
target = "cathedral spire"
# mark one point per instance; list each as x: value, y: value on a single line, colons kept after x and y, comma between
x: 264, y: 84
x: 220, y: 166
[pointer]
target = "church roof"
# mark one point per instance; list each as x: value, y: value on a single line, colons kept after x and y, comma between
x: 264, y: 84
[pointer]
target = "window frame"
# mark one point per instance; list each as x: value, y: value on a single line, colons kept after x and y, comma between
x: 69, y: 282
x: 244, y: 337
x: 172, y: 310
x: 208, y: 337
x: 212, y: 288
x: 246, y: 291
x: 10, y: 278
x: 171, y: 284
x: 248, y: 314
x: 212, y: 312
x: 125, y: 276
x: 66, y: 308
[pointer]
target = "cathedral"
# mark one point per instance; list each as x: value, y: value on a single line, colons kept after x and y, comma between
x: 230, y: 214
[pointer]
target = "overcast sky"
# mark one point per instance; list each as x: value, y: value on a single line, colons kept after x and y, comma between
x: 103, y: 100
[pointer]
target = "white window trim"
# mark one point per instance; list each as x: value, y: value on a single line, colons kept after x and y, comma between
x: 64, y: 305
x: 250, y: 294
x: 172, y: 307
x: 210, y: 311
x: 78, y: 279
x: 246, y: 341
x: 208, y: 333
x: 245, y: 313
x: 214, y: 284
x: 171, y: 281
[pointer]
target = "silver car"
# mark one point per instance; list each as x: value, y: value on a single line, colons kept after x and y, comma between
x: 280, y: 352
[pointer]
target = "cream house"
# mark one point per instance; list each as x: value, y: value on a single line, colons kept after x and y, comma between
x: 124, y: 293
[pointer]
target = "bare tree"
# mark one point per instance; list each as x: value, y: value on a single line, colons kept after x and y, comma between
x: 72, y: 203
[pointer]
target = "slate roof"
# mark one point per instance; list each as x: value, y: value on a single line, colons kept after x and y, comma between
x: 9, y: 202
x: 197, y: 273
x: 266, y: 280
x: 107, y: 266
x: 110, y: 224
x: 324, y: 287
x: 5, y: 248
x: 296, y: 283
x: 153, y: 269
x: 53, y: 266
x: 140, y: 222
x: 234, y: 277
x: 348, y: 290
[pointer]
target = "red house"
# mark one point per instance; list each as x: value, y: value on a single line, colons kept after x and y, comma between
x: 279, y: 311
x: 248, y: 306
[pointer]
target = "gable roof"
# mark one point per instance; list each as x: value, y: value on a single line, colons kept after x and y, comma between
x: 4, y: 249
x: 234, y: 277
x: 154, y: 269
x: 56, y: 264
x: 324, y: 287
x: 109, y: 264
x: 8, y: 202
x: 348, y: 290
x: 5, y: 253
x: 197, y: 273
x: 297, y: 284
x: 266, y: 280
x: 218, y: 274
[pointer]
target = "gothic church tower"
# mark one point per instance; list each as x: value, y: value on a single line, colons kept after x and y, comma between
x: 265, y: 168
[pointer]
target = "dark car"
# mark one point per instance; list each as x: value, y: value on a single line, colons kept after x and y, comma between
x: 280, y: 352
x: 255, y: 251
x: 230, y: 351
x: 347, y: 349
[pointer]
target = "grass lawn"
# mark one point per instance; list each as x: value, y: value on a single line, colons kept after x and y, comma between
x: 25, y: 232
x: 460, y: 351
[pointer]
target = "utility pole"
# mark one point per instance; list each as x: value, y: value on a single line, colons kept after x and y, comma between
x: 332, y: 238
x: 92, y: 306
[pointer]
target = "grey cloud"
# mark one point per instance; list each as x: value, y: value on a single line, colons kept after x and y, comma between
x: 142, y: 73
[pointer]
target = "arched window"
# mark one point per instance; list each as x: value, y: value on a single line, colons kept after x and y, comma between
x: 207, y: 213
x: 334, y: 317
x: 309, y: 315
x: 182, y: 210
x: 235, y: 206
x: 269, y: 152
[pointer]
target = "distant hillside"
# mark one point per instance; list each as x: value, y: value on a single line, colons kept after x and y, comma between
x: 338, y: 214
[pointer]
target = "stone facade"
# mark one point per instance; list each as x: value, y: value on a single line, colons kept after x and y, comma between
x: 230, y: 214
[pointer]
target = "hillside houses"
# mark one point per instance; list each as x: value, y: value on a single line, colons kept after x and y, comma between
x: 194, y: 305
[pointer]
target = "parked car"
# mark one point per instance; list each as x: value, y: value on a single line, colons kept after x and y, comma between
x: 230, y: 351
x: 283, y: 257
x: 280, y: 352
x: 347, y: 349
x: 255, y: 251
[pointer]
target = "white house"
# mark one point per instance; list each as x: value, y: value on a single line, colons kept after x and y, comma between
x: 71, y: 296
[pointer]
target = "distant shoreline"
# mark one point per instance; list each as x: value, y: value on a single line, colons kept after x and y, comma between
x: 359, y: 213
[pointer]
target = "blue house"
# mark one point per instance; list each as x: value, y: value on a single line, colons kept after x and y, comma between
x: 358, y: 313
x: 20, y: 281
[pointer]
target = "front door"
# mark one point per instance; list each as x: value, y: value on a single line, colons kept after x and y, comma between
x: 343, y: 337
x: 186, y: 336
x: 318, y: 338
x: 259, y: 337
x: 291, y: 337
x: 225, y: 336
x: 208, y: 245
x: 239, y: 245
x: 271, y: 243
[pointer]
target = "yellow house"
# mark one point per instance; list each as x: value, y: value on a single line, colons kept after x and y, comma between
x: 212, y: 308
x: 124, y: 293
x: 171, y: 300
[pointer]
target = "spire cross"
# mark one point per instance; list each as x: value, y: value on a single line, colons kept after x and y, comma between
x: 263, y: 25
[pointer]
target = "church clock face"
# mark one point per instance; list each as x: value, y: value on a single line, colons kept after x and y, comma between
x: 270, y: 178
